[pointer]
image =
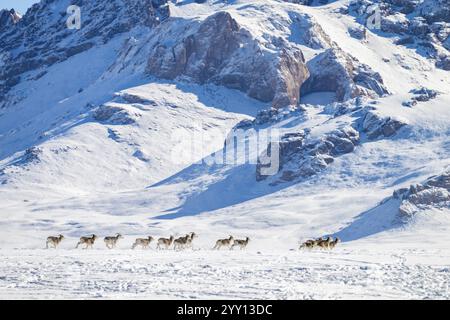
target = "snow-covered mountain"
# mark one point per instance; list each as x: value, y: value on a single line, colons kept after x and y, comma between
x: 117, y: 126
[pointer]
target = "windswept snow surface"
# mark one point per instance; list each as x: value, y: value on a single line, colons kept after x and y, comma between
x: 130, y: 174
x: 347, y: 273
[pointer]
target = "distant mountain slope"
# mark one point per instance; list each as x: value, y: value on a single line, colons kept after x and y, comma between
x: 106, y: 127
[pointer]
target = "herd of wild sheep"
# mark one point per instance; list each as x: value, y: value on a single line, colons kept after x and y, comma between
x: 328, y: 243
x: 162, y: 243
x: 184, y: 242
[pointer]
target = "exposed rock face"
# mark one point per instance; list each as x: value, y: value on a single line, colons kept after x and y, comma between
x: 434, y: 193
x: 16, y: 17
x: 32, y: 155
x: 444, y: 63
x: 116, y: 114
x: 6, y: 20
x: 334, y: 70
x: 302, y: 157
x: 376, y: 126
x: 359, y: 33
x: 222, y: 52
x: 424, y: 94
x: 41, y: 38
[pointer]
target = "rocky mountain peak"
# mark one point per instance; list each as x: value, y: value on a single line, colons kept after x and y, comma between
x: 8, y: 18
x: 42, y: 37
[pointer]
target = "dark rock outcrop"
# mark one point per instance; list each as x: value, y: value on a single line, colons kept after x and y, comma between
x: 115, y: 114
x: 32, y: 155
x: 359, y: 33
x: 376, y: 126
x: 424, y: 94
x: 302, y: 157
x: 222, y: 52
x: 420, y: 95
x: 6, y: 20
x: 334, y: 70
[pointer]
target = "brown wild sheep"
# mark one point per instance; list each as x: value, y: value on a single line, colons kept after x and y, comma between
x: 88, y: 241
x: 164, y: 242
x: 191, y: 238
x: 242, y: 244
x: 111, y: 242
x: 223, y: 243
x: 334, y: 243
x: 143, y: 242
x: 180, y: 243
x: 54, y: 241
x: 324, y: 244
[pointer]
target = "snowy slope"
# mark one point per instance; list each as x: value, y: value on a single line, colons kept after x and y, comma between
x: 117, y: 150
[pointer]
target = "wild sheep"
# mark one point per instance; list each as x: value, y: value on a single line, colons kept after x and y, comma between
x: 143, y: 242
x: 184, y: 242
x: 164, y: 242
x: 309, y: 244
x: 180, y: 243
x: 111, y: 242
x: 54, y: 241
x: 325, y: 244
x: 223, y: 243
x: 240, y: 243
x: 88, y: 241
x: 334, y: 243
x: 191, y: 238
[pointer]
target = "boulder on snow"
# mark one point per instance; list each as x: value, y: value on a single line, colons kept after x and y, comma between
x: 116, y: 114
x: 423, y: 94
x: 223, y: 53
x: 141, y: 155
x: 359, y: 32
x: 376, y: 126
x: 334, y: 70
x: 32, y: 155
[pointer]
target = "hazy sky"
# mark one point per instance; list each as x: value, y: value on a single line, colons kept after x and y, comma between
x: 19, y: 5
